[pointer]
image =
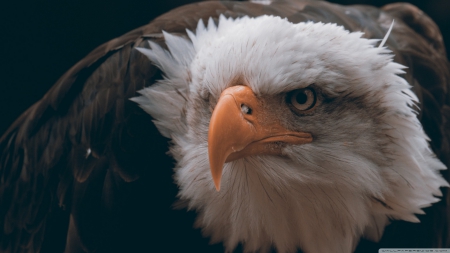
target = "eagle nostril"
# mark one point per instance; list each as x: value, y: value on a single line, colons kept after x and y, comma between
x: 245, y: 109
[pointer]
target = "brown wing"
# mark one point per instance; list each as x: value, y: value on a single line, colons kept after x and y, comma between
x: 45, y: 170
x: 86, y: 163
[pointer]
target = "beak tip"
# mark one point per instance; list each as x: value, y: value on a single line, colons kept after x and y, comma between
x: 216, y: 167
x: 217, y: 183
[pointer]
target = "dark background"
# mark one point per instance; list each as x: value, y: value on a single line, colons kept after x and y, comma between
x: 40, y: 40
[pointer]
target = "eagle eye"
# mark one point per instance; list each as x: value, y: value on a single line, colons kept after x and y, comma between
x: 302, y: 99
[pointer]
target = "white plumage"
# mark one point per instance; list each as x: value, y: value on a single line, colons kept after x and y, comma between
x: 369, y: 161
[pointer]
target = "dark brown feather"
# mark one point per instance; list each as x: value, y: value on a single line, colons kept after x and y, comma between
x: 110, y: 200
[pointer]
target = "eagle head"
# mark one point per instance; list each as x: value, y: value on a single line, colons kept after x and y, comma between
x: 290, y: 135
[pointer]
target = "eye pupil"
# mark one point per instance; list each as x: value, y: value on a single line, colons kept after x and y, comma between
x: 301, y: 98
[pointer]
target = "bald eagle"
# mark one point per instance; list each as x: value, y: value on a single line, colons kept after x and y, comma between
x: 287, y: 125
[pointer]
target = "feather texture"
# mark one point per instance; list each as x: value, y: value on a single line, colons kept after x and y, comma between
x: 55, y: 197
x: 386, y: 172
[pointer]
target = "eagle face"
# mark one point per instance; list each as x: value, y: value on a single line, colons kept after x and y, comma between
x: 306, y: 129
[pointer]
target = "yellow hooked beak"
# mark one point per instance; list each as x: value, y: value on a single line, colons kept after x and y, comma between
x: 240, y: 127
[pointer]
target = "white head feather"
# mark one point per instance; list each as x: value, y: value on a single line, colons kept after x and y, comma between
x: 369, y: 161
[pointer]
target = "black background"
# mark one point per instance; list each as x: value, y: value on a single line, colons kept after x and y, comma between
x: 40, y: 40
